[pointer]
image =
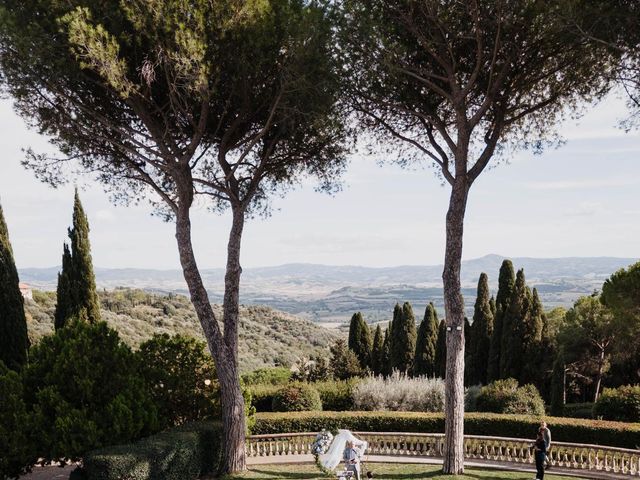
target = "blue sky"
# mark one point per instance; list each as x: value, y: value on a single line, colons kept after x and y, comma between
x: 579, y: 200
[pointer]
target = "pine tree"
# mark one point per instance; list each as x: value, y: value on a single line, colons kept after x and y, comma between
x: 514, y: 327
x: 425, y: 357
x: 14, y: 340
x: 377, y: 351
x: 506, y: 283
x: 441, y: 350
x: 360, y: 341
x: 76, y: 281
x: 403, y: 341
x: 482, y: 331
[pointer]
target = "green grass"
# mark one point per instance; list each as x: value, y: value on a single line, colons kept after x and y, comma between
x: 383, y: 471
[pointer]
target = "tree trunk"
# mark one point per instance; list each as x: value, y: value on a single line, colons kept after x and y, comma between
x: 599, y: 377
x: 454, y: 312
x: 222, y: 351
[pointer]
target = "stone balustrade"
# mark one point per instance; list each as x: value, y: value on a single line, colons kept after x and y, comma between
x: 572, y: 456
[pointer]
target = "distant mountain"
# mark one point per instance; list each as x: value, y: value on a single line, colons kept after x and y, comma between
x: 327, y: 293
x: 267, y: 336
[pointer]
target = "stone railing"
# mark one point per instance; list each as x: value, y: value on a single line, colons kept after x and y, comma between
x: 572, y: 456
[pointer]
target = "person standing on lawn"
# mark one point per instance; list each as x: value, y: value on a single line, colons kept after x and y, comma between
x: 546, y: 434
x: 540, y: 452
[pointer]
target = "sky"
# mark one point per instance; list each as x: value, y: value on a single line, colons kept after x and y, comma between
x: 581, y: 199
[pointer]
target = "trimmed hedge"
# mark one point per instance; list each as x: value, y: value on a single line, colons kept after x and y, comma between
x: 578, y: 410
x: 336, y: 395
x: 183, y: 453
x: 614, y: 434
x: 296, y: 397
x: 622, y: 404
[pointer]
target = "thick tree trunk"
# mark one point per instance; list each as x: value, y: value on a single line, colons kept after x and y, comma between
x: 232, y: 403
x: 454, y: 311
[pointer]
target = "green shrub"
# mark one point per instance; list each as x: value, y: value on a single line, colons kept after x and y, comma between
x: 471, y: 395
x: 504, y: 396
x: 622, y: 404
x: 183, y: 453
x: 15, y: 446
x: 181, y: 377
x: 578, y: 410
x: 336, y: 395
x: 83, y: 388
x: 297, y: 397
x: 262, y: 396
x: 267, y: 376
x: 616, y: 434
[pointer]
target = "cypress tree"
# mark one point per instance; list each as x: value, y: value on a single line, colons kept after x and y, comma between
x: 77, y: 283
x: 14, y: 340
x: 64, y: 292
x: 506, y: 283
x: 425, y: 357
x: 468, y: 350
x: 558, y: 387
x: 514, y: 328
x: 360, y: 341
x: 377, y: 351
x: 403, y: 341
x: 482, y: 332
x: 534, y: 366
x: 395, y: 348
x: 441, y: 350
x: 386, y: 367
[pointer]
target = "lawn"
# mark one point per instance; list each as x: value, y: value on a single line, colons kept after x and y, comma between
x: 385, y: 471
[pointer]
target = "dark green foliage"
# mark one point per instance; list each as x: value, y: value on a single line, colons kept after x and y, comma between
x: 621, y: 404
x: 360, y: 341
x: 298, y: 397
x: 385, y: 358
x: 184, y: 453
x: 14, y: 342
x: 270, y: 376
x: 77, y: 297
x: 578, y: 410
x: 504, y: 396
x: 441, y: 351
x: 537, y: 363
x: 558, y: 387
x: 403, y: 338
x: 506, y: 284
x: 335, y: 395
x: 377, y: 352
x: 514, y: 322
x: 84, y: 391
x: 15, y: 441
x: 181, y: 377
x: 426, y: 341
x: 344, y: 362
x: 481, y: 331
x: 615, y: 434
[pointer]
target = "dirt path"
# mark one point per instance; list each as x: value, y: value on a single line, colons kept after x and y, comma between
x: 49, y: 473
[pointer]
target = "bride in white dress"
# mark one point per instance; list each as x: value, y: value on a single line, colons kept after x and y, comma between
x: 337, y: 452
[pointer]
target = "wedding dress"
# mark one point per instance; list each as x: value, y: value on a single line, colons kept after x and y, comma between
x: 332, y: 458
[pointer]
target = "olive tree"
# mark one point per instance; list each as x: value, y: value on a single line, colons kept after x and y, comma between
x: 182, y: 102
x: 458, y: 83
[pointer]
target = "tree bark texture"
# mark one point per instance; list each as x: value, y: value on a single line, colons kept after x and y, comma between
x: 223, y: 348
x: 454, y: 311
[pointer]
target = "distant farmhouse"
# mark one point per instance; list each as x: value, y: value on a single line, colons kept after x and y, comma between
x: 26, y: 291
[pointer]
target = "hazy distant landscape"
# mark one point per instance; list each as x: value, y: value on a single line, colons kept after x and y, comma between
x: 331, y: 294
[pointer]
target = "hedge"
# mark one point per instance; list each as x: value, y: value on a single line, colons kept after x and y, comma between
x: 183, y: 453
x: 614, y: 434
x: 578, y: 410
x: 335, y: 395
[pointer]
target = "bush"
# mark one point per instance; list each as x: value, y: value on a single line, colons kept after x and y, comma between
x: 336, y: 395
x: 14, y: 425
x: 181, y: 377
x: 578, y: 410
x: 399, y: 392
x: 622, y: 404
x: 297, y: 398
x: 184, y: 453
x: 85, y: 392
x: 267, y: 376
x: 615, y: 434
x: 471, y: 398
x: 504, y: 396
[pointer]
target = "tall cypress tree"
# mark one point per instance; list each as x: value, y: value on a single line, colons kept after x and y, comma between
x: 394, y: 345
x: 425, y: 357
x: 506, y: 283
x: 514, y: 326
x: 386, y: 367
x: 535, y: 363
x: 558, y: 387
x: 77, y: 282
x: 482, y: 331
x: 14, y: 340
x: 403, y: 339
x: 360, y: 339
x: 441, y: 350
x: 377, y: 351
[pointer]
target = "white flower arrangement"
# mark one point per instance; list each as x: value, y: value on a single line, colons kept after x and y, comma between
x: 321, y: 445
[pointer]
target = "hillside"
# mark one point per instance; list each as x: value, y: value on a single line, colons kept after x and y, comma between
x: 331, y: 294
x: 267, y: 336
